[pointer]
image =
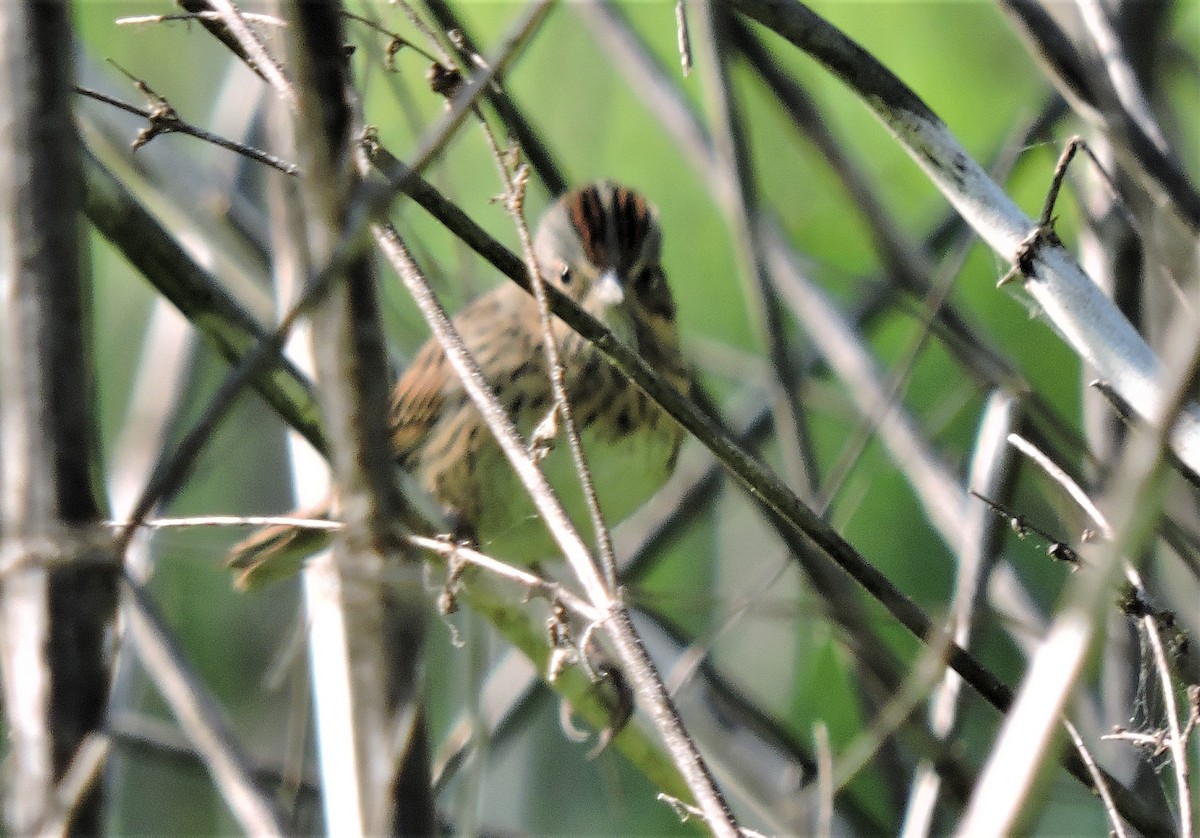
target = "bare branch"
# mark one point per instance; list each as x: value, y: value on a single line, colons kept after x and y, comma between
x: 59, y: 576
x: 371, y: 730
x: 1086, y: 319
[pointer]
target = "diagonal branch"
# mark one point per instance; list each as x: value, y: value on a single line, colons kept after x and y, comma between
x: 1083, y: 316
x: 620, y: 629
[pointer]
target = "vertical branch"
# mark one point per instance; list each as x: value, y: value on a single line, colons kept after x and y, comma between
x: 59, y: 583
x: 381, y: 629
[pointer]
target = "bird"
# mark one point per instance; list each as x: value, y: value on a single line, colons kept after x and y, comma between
x: 601, y: 245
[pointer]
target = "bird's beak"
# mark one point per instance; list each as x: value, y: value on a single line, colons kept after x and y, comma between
x: 609, y: 289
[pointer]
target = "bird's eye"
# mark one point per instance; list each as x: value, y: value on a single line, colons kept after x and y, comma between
x: 649, y: 281
x: 564, y: 275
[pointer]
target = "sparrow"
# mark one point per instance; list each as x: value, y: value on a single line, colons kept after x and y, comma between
x: 600, y: 245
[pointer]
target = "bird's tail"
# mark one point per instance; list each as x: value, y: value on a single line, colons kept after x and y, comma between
x: 277, y: 552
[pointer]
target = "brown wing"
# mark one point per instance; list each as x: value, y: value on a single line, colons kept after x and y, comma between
x: 417, y: 400
x: 420, y: 396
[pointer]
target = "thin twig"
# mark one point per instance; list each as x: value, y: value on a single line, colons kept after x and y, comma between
x: 1060, y: 476
x: 683, y: 38
x: 1043, y: 233
x: 737, y: 195
x: 249, y: 17
x: 1056, y: 548
x: 632, y: 653
x: 1097, y: 101
x: 1176, y: 741
x: 260, y: 60
x: 686, y: 812
x: 897, y: 380
x: 522, y: 130
x: 397, y: 42
x: 1099, y: 779
x: 168, y: 121
x: 515, y: 202
x: 427, y: 32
